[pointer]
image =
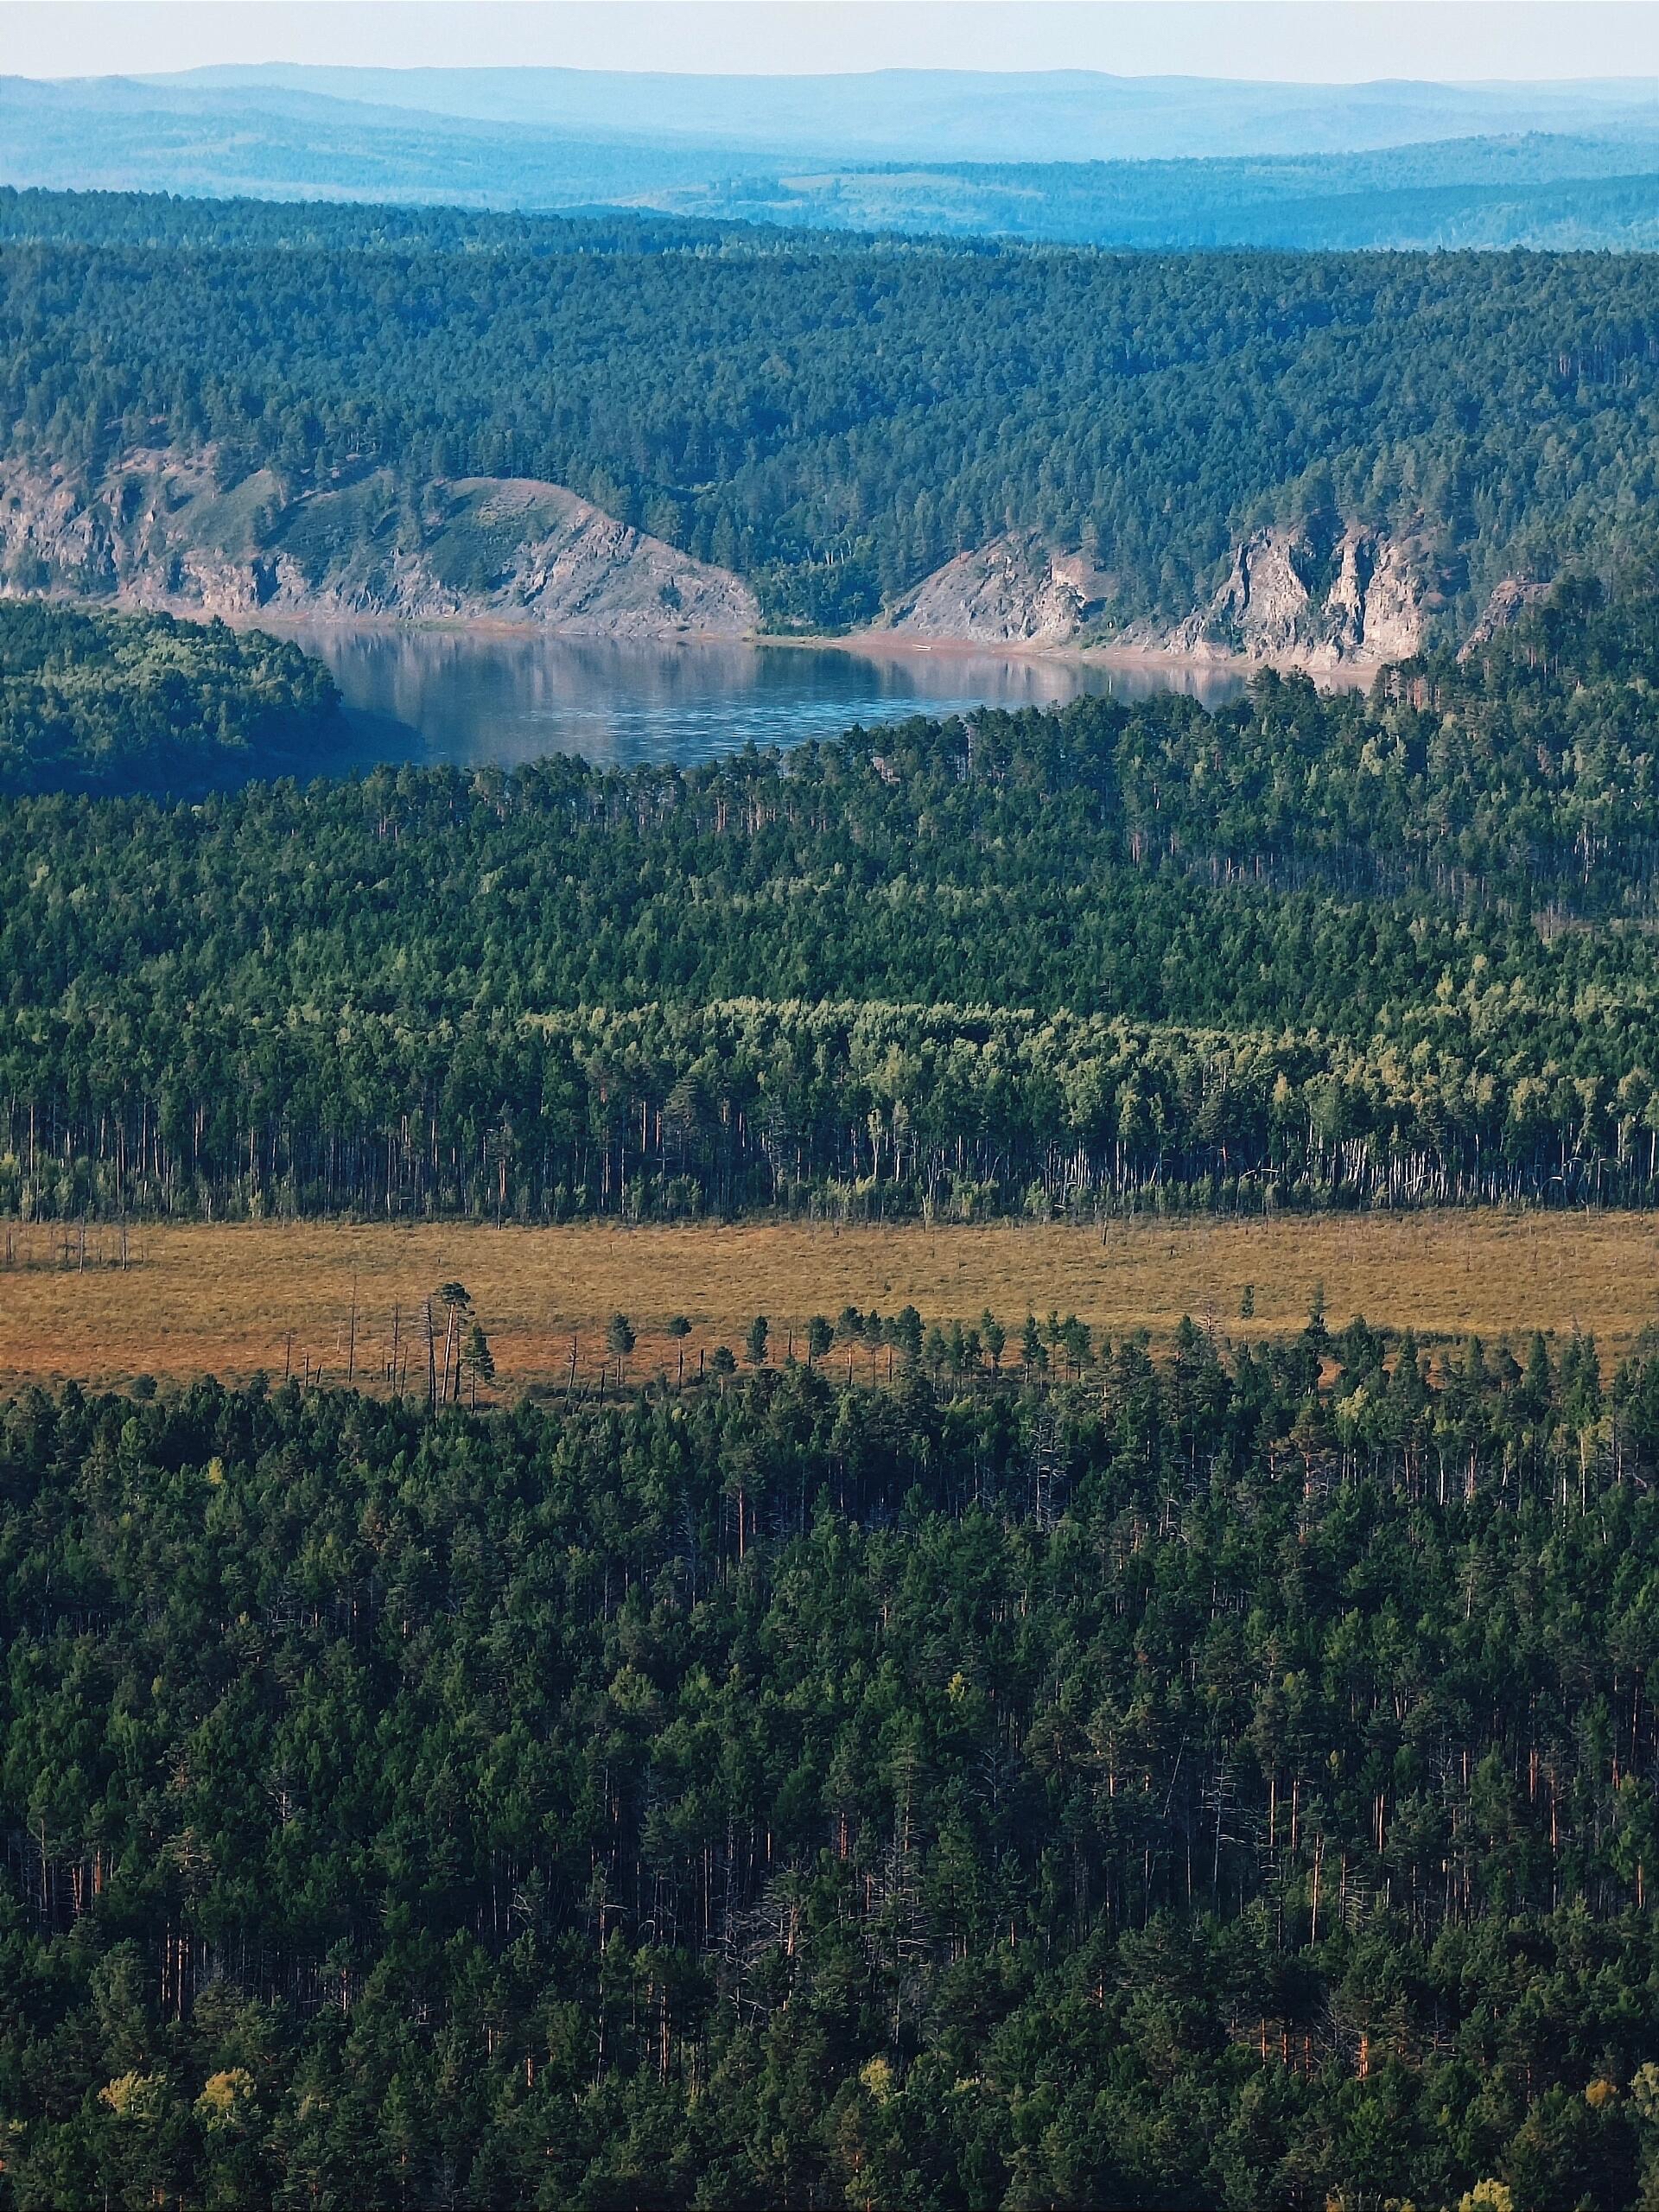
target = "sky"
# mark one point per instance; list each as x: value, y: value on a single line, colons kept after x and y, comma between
x: 1309, y: 42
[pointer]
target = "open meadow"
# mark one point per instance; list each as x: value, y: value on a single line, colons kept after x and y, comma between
x: 229, y: 1300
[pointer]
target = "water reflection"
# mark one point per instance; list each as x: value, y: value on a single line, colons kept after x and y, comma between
x: 468, y: 696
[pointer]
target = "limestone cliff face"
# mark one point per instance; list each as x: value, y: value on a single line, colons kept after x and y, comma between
x: 1317, y: 599
x: 1508, y: 603
x: 1014, y: 591
x: 1305, y: 596
x: 158, y: 531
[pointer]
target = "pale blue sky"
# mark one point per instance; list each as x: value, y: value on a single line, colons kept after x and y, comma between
x: 1305, y: 41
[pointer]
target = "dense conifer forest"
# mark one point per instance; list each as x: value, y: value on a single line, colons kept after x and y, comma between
x: 1304, y: 951
x: 835, y: 416
x: 1207, y: 1779
x: 102, y: 700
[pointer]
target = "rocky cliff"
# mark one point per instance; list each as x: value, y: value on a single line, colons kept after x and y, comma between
x: 1317, y: 597
x: 1508, y: 603
x: 1015, y: 591
x: 159, y: 531
x: 1312, y: 596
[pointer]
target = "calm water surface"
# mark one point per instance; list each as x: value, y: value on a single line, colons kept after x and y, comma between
x: 433, y: 696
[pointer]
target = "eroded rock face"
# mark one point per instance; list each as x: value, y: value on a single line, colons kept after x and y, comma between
x: 1014, y: 591
x: 1319, y: 599
x: 1309, y: 596
x: 1508, y: 603
x: 159, y: 530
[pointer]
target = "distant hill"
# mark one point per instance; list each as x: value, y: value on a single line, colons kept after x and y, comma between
x: 1071, y: 158
x: 114, y: 134
x: 1535, y: 191
x: 946, y: 115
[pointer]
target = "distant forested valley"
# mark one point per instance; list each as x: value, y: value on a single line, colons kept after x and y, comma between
x: 835, y: 416
x: 1309, y: 949
x: 1078, y: 159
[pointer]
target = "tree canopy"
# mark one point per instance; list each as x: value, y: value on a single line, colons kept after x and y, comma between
x: 1217, y: 1779
x: 1307, y: 949
x: 107, y: 700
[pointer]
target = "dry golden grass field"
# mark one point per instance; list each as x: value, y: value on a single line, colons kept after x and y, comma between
x: 229, y: 1300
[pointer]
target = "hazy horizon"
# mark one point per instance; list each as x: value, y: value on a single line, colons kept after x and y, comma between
x: 1335, y: 43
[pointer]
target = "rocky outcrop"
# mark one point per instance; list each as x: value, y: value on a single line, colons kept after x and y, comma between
x: 162, y: 530
x: 1312, y: 595
x: 1316, y: 597
x: 1015, y: 591
x: 1508, y: 603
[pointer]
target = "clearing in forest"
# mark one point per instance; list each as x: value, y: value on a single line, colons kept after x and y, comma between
x: 228, y: 1300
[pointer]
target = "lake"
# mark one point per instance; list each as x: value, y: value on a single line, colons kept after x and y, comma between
x: 468, y: 696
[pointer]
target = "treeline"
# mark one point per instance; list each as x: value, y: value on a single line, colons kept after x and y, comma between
x: 108, y: 700
x: 1214, y: 1785
x: 1305, y: 950
x: 854, y: 1111
x: 837, y: 417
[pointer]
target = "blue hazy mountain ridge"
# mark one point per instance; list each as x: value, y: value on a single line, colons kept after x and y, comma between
x: 268, y: 140
x: 961, y: 115
x: 123, y: 134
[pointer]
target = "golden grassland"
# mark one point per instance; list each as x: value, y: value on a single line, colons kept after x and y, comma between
x: 229, y: 1300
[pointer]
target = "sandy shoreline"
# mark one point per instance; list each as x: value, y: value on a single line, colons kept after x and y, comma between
x: 860, y: 644
x: 874, y: 645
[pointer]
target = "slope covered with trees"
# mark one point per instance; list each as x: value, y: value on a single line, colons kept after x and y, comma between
x: 117, y: 701
x: 1536, y: 191
x: 1203, y: 1786
x: 835, y: 417
x: 1025, y: 158
x: 1305, y: 950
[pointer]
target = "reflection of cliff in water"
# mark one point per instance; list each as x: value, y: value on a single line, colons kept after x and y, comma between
x: 467, y: 696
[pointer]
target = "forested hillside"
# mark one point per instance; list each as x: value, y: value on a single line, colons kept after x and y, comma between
x: 1074, y: 163
x: 835, y: 418
x: 1551, y: 193
x: 1305, y: 950
x: 1206, y: 1786
x: 125, y: 700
